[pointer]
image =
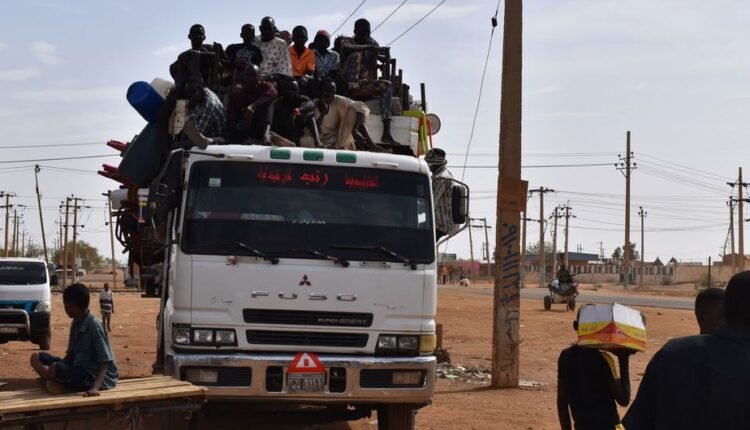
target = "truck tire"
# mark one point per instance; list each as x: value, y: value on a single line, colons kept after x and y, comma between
x: 44, y: 342
x: 572, y: 304
x: 396, y: 417
x: 547, y: 303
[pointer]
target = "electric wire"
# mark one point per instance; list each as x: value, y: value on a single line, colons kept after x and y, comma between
x: 349, y: 17
x: 57, y: 159
x: 389, y: 16
x: 417, y: 23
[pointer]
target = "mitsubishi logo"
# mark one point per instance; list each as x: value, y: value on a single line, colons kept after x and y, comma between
x: 305, y: 282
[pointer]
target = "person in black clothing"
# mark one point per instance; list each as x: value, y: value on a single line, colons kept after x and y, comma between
x: 241, y: 55
x: 588, y: 387
x: 293, y: 112
x: 248, y: 110
x: 709, y: 309
x: 701, y: 382
x: 200, y: 58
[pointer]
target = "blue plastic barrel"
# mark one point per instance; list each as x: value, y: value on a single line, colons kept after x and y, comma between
x: 144, y: 99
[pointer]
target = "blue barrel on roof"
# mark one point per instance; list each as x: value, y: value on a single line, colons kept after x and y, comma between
x: 145, y: 99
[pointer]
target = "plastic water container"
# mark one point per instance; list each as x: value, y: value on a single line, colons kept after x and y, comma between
x: 162, y: 86
x: 145, y: 99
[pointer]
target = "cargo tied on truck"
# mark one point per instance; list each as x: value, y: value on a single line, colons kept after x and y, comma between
x: 293, y: 270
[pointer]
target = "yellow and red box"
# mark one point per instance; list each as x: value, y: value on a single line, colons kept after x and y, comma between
x: 611, y: 326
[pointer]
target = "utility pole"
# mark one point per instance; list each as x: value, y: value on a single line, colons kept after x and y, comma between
x: 642, y: 214
x: 23, y: 243
x: 7, y: 206
x: 15, y: 233
x: 601, y: 250
x: 511, y: 201
x: 731, y: 235
x: 523, y: 250
x: 567, y: 224
x: 75, y: 237
x: 487, y: 247
x: 41, y: 219
x: 111, y: 238
x: 541, y: 252
x: 554, y: 242
x: 471, y: 253
x: 626, y: 167
x: 709, y: 272
x: 65, y: 243
x: 741, y: 222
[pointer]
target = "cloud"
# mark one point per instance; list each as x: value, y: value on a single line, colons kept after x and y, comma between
x: 169, y: 50
x: 45, y: 53
x: 3, y: 46
x: 563, y: 115
x: 13, y: 75
x: 546, y: 90
x: 73, y: 95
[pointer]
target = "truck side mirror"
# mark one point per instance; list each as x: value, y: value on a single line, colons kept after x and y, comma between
x: 459, y: 203
x: 54, y: 280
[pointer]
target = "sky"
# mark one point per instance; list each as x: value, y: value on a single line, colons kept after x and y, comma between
x: 673, y: 72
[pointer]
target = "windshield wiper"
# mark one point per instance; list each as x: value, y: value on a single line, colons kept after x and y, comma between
x: 257, y: 253
x: 382, y: 249
x: 337, y: 260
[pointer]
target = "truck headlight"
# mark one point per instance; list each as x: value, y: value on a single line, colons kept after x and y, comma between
x: 181, y: 334
x: 387, y: 342
x: 408, y: 342
x: 203, y: 336
x: 42, y: 307
x: 225, y: 337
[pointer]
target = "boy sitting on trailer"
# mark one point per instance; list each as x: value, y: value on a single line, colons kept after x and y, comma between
x: 89, y: 364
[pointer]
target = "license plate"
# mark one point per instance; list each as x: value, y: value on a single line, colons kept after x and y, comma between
x: 8, y: 330
x: 306, y: 382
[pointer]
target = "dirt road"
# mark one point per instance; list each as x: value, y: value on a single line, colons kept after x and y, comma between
x: 463, y: 400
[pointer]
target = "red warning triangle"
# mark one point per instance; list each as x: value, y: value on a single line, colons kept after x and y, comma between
x: 306, y: 362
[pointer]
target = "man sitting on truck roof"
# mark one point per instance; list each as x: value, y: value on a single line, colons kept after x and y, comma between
x: 241, y: 55
x: 206, y: 114
x: 248, y: 110
x: 359, y: 71
x: 292, y: 113
x: 199, y: 58
x: 275, y: 52
x: 89, y: 364
x: 341, y: 120
x: 326, y: 61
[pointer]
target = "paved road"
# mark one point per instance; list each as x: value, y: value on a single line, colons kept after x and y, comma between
x: 628, y: 299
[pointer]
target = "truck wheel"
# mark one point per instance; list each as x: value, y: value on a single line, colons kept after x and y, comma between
x: 396, y: 417
x: 572, y: 304
x: 547, y: 303
x: 44, y: 342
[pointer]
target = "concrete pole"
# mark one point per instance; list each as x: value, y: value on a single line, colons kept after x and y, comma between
x: 567, y: 218
x: 7, y: 221
x: 15, y: 233
x: 65, y: 243
x: 541, y: 256
x: 506, y: 338
x: 75, y: 234
x: 471, y: 253
x: 741, y: 224
x: 487, y: 249
x: 731, y: 235
x: 554, y: 244
x: 111, y: 239
x: 523, y: 251
x: 626, y: 251
x: 642, y: 214
x: 41, y: 218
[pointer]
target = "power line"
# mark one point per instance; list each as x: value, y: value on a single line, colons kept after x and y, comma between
x: 481, y: 88
x: 534, y: 166
x: 389, y: 16
x: 50, y: 145
x: 420, y: 20
x: 349, y: 17
x: 57, y: 159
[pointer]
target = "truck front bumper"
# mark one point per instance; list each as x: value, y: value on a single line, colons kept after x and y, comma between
x: 350, y: 379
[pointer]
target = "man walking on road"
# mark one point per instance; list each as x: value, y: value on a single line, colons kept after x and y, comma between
x: 588, y: 387
x: 107, y: 306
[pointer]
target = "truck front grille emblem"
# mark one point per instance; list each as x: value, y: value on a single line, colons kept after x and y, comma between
x: 305, y: 282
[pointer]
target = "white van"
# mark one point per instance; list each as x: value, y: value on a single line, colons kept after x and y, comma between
x: 25, y: 301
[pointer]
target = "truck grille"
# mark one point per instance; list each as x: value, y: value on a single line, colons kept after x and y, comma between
x: 314, y: 318
x: 269, y: 337
x: 12, y: 318
x: 17, y: 306
x: 383, y: 378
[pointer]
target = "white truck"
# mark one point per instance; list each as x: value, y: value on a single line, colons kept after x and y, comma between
x: 25, y: 301
x: 301, y: 277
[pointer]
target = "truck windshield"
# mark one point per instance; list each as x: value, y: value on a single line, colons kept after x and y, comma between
x: 22, y: 273
x: 283, y: 210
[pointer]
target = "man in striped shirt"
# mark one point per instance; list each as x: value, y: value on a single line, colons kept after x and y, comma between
x: 107, y: 306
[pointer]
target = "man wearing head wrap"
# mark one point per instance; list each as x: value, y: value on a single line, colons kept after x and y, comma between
x: 442, y: 190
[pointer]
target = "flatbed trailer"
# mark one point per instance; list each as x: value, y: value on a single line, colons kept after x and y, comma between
x: 176, y: 401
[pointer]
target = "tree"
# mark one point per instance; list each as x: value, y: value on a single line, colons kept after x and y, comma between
x: 618, y: 255
x: 533, y: 248
x: 90, y: 257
